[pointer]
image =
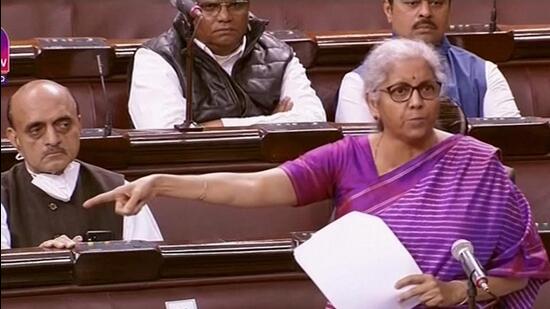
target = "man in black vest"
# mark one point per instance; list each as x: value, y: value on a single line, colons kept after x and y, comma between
x: 42, y: 196
x: 242, y: 75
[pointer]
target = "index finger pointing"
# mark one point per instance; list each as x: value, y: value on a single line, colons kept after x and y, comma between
x: 100, y: 199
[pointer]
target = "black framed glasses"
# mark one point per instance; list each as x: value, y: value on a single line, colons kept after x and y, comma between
x: 213, y: 8
x: 402, y: 92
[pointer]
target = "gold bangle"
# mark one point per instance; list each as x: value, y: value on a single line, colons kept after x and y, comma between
x: 202, y: 196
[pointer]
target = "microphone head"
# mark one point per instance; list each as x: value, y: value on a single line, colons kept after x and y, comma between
x: 460, y: 246
x: 188, y: 7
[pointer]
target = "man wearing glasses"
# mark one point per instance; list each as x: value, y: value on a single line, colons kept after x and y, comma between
x: 475, y: 84
x: 242, y: 75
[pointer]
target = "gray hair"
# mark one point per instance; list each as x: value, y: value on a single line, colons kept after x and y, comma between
x: 379, y: 61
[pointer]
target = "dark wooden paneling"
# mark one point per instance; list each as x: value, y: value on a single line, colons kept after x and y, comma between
x: 525, y: 144
x: 313, y: 48
x: 245, y: 274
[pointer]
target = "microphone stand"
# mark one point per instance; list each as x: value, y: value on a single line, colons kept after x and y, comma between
x: 108, y: 128
x: 493, y: 23
x: 472, y: 292
x: 188, y: 124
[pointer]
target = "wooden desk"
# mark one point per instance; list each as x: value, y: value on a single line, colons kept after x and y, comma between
x: 255, y: 274
x: 261, y: 291
x: 139, y: 152
x: 525, y: 144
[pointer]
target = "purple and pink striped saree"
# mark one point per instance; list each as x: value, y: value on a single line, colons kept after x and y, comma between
x: 456, y: 190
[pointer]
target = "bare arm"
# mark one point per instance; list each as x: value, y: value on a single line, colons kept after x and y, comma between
x: 433, y: 292
x: 266, y: 188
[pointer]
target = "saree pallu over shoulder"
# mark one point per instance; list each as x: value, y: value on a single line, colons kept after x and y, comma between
x: 460, y: 190
x: 456, y: 190
x: 377, y: 196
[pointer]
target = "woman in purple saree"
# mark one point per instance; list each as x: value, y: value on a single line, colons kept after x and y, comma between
x: 458, y: 189
x: 430, y: 187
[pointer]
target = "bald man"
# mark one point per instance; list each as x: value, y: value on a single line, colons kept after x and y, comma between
x: 42, y: 196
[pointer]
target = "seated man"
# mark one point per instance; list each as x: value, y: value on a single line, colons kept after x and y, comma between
x: 242, y: 75
x: 475, y: 84
x: 41, y: 197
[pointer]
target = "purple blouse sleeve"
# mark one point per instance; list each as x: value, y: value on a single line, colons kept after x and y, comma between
x: 314, y: 174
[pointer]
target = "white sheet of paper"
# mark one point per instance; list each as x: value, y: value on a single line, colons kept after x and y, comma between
x: 356, y: 261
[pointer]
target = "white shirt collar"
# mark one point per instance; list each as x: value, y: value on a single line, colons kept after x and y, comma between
x: 226, y: 62
x: 60, y: 186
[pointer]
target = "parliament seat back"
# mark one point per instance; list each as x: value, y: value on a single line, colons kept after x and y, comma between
x: 133, y: 19
x: 528, y: 79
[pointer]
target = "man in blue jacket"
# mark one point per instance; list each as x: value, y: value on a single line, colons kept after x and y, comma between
x: 475, y: 84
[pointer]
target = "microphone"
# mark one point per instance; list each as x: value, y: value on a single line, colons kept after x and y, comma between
x: 463, y: 251
x: 107, y: 130
x: 189, y: 7
x: 493, y: 23
x: 193, y: 12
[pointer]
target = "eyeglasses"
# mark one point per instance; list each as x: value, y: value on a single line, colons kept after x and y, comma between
x: 402, y: 92
x: 213, y: 8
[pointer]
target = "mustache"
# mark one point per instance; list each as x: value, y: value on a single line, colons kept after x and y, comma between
x: 424, y: 22
x: 54, y: 150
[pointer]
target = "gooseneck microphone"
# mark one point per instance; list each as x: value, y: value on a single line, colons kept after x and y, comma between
x: 493, y: 22
x: 194, y: 14
x: 463, y: 251
x: 108, y: 128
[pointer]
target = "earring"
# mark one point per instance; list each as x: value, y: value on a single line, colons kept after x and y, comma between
x: 19, y: 157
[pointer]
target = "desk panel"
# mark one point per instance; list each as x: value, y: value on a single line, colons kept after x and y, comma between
x: 292, y: 290
x: 240, y: 274
x: 138, y: 153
